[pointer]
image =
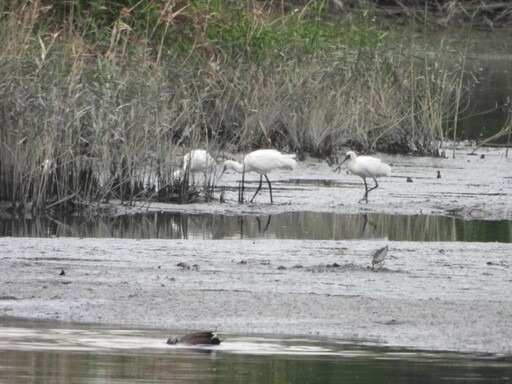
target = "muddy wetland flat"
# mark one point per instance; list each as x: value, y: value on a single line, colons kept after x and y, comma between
x: 297, y: 269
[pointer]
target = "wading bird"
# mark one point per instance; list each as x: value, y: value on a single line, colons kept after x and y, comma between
x: 196, y: 161
x: 197, y: 338
x: 261, y: 161
x: 366, y: 166
x: 379, y: 256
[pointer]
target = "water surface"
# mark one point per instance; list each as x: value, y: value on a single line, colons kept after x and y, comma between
x: 37, y: 351
x: 287, y: 225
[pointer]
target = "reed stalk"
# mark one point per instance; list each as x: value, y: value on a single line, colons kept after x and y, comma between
x: 109, y: 98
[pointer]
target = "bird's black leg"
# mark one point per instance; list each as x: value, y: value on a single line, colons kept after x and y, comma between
x: 371, y: 189
x: 270, y: 189
x: 268, y: 224
x: 259, y: 187
x: 376, y: 185
x: 241, y: 190
x: 365, y: 197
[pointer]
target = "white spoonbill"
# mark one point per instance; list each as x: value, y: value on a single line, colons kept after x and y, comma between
x: 261, y: 161
x: 195, y: 161
x: 366, y: 166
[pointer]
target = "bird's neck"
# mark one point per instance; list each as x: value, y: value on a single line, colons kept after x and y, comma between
x: 237, y: 167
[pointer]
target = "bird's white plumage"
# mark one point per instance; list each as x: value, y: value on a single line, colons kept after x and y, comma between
x: 262, y: 161
x: 366, y: 166
x: 198, y: 160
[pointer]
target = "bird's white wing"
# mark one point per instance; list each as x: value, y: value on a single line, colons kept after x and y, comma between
x: 368, y: 159
x: 371, y: 167
x: 266, y: 160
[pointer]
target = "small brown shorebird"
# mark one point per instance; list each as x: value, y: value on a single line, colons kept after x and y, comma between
x: 379, y: 256
x: 196, y: 338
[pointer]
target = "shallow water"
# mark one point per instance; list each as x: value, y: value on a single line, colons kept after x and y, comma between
x: 41, y: 351
x: 486, y: 114
x: 287, y: 225
x: 306, y: 271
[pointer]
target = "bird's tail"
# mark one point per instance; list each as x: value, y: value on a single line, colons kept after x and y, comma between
x: 289, y: 162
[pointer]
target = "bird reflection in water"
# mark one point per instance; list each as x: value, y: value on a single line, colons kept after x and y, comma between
x: 261, y: 229
x: 367, y: 221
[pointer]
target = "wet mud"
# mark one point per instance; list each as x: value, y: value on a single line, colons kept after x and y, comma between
x: 474, y: 185
x: 438, y: 296
x: 430, y: 295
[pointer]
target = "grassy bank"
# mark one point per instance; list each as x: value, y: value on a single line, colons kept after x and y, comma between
x: 100, y: 98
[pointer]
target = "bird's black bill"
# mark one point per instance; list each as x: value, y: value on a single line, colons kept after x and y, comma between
x: 339, y: 165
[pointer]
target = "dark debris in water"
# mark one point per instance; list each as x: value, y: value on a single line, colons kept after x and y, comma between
x: 497, y: 264
x: 334, y: 267
x: 185, y: 266
x: 6, y: 297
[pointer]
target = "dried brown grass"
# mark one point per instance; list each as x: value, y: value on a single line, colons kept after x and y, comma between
x: 114, y: 115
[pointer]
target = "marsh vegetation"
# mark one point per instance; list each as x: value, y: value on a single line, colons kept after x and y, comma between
x: 100, y: 98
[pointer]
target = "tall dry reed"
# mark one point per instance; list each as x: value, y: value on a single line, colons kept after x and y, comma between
x: 99, y: 104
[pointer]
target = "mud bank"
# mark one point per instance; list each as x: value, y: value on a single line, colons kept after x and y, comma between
x: 472, y: 186
x: 438, y: 296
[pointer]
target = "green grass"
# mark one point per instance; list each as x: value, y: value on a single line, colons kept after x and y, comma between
x: 114, y: 92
